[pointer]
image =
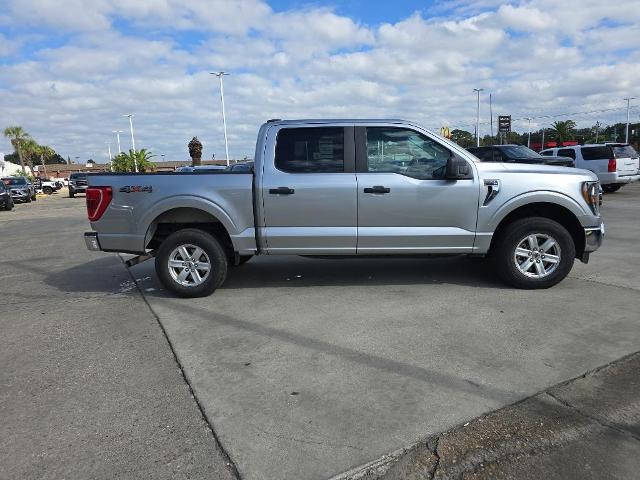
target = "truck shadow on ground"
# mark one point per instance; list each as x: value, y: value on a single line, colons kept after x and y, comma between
x: 311, y: 272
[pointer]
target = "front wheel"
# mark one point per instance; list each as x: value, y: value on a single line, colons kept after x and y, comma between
x: 34, y: 197
x: 534, y: 252
x: 47, y: 190
x: 191, y: 263
x: 71, y: 193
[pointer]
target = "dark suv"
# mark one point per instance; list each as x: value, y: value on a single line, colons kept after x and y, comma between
x: 6, y: 202
x: 518, y: 154
x: 77, y: 183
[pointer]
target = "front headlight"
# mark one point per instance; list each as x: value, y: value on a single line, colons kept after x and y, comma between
x: 591, y: 195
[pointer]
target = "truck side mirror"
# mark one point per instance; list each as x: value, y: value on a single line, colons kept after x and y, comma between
x: 458, y: 169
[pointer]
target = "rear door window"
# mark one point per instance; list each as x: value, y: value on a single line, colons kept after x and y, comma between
x: 596, y: 153
x: 310, y: 150
x: 567, y: 152
x: 626, y: 151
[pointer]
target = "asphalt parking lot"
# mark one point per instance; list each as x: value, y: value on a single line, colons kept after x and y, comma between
x: 305, y: 368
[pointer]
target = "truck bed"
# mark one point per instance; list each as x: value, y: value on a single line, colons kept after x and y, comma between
x: 142, y: 201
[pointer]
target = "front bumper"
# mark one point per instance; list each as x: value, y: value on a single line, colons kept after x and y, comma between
x: 92, y: 242
x: 20, y: 195
x: 593, y: 237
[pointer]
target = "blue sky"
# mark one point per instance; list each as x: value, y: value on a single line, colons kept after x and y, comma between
x: 68, y: 74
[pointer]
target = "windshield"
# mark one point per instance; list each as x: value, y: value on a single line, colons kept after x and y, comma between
x: 14, y: 181
x: 76, y: 176
x: 519, y: 151
x: 626, y: 151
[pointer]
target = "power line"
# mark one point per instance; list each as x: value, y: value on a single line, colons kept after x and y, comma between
x: 554, y: 115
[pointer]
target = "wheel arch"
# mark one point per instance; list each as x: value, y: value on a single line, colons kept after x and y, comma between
x: 551, y: 210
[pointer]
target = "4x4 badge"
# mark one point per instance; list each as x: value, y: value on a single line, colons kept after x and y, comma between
x: 136, y: 189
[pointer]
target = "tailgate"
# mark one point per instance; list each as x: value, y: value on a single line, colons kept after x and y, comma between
x: 627, y: 162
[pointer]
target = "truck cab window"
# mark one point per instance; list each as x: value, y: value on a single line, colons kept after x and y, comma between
x: 310, y: 150
x: 404, y: 151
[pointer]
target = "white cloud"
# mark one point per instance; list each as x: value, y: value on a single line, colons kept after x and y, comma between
x: 302, y: 63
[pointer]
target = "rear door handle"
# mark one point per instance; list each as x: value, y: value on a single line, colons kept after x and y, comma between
x: 377, y: 189
x: 282, y: 191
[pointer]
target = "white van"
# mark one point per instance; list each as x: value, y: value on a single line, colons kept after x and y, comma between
x: 616, y: 164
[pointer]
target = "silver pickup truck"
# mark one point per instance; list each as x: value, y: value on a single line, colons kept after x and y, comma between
x: 349, y: 187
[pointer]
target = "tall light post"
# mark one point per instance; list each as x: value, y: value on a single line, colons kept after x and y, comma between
x: 118, y: 132
x: 597, y: 129
x: 478, y: 90
x: 133, y: 142
x: 626, y: 135
x: 224, y: 120
x: 110, y: 157
x: 542, y: 145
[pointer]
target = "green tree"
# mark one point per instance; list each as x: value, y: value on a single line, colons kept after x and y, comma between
x: 463, y: 138
x: 44, y: 152
x: 126, y: 162
x: 17, y: 135
x: 563, y: 130
x: 30, y: 151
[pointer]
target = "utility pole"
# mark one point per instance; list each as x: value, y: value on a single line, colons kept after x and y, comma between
x: 110, y: 157
x: 133, y: 142
x: 529, y: 135
x: 626, y: 135
x: 224, y: 120
x: 478, y: 90
x: 491, y: 116
x: 118, y: 132
x: 597, y: 130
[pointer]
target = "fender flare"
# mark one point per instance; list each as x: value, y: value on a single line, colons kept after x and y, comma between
x: 537, y: 196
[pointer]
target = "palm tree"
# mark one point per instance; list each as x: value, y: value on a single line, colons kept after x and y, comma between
x: 124, y: 162
x: 563, y: 130
x: 17, y: 136
x: 45, y: 153
x: 30, y: 151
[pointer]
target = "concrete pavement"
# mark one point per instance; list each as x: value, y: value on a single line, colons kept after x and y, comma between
x: 308, y: 367
x: 89, y: 387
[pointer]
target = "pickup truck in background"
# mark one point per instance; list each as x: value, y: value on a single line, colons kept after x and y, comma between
x: 349, y: 188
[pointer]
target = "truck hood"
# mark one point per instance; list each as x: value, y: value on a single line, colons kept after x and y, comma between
x: 488, y: 168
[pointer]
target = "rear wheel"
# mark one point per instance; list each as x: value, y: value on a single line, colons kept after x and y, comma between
x: 71, y: 194
x: 9, y: 205
x: 611, y: 188
x: 534, y: 252
x: 191, y: 263
x: 28, y: 200
x: 47, y: 190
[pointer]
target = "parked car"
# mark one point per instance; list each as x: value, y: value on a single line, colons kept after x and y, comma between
x: 241, y: 167
x: 77, y: 183
x: 6, y: 202
x: 21, y: 189
x: 518, y: 154
x: 616, y: 164
x: 332, y: 188
x: 201, y: 168
x: 49, y: 186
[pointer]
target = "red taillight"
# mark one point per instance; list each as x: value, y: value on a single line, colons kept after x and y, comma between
x: 98, y: 199
x: 612, y: 165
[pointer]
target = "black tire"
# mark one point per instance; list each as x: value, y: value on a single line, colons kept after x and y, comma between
x: 244, y: 259
x: 71, y: 194
x: 47, y: 190
x: 611, y: 188
x: 217, y: 258
x: 9, y: 206
x: 514, y: 235
x: 34, y: 197
x: 28, y: 200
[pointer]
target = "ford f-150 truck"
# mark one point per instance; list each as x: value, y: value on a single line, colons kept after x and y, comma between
x: 349, y: 187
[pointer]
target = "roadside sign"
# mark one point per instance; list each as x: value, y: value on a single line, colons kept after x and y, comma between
x: 504, y: 123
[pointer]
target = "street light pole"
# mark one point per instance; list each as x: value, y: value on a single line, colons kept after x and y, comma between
x: 224, y: 120
x: 478, y: 90
x: 118, y: 132
x: 529, y: 136
x: 491, y: 115
x: 133, y: 142
x: 110, y: 157
x: 626, y: 135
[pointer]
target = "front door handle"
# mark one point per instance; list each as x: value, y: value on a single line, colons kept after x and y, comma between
x: 282, y: 191
x: 377, y: 189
